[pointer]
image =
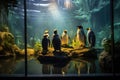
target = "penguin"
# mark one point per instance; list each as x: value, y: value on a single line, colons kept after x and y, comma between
x: 64, y: 38
x: 45, y: 43
x: 80, y: 37
x: 47, y: 34
x: 56, y: 41
x: 91, y: 37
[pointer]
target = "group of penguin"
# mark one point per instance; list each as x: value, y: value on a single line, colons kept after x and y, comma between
x: 57, y: 41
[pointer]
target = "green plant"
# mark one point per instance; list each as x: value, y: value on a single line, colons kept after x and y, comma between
x: 37, y: 47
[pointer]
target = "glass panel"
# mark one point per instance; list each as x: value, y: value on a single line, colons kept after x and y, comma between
x: 60, y: 41
x: 49, y: 54
x: 12, y: 38
x: 116, y: 36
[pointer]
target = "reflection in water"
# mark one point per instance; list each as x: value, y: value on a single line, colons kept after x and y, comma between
x: 53, y: 69
x: 77, y: 67
x: 12, y: 65
x: 46, y: 69
x: 57, y: 70
x: 85, y: 67
x: 65, y: 69
x: 7, y: 65
x: 73, y: 67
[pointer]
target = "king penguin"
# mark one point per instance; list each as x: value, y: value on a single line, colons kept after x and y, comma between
x: 90, y: 37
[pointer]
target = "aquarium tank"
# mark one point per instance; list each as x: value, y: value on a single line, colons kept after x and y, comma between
x: 59, y: 37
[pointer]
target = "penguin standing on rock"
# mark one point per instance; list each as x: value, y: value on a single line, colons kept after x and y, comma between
x: 56, y: 41
x: 80, y: 37
x: 65, y: 38
x: 90, y: 38
x: 45, y: 44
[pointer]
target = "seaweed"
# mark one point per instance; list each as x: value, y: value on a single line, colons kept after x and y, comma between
x: 37, y: 47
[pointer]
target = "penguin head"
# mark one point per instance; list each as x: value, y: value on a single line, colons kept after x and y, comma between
x: 65, y: 31
x: 88, y: 28
x: 45, y: 35
x: 46, y: 31
x: 80, y: 26
x: 55, y: 31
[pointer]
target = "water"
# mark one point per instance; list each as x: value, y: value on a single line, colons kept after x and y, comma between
x: 75, y: 67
